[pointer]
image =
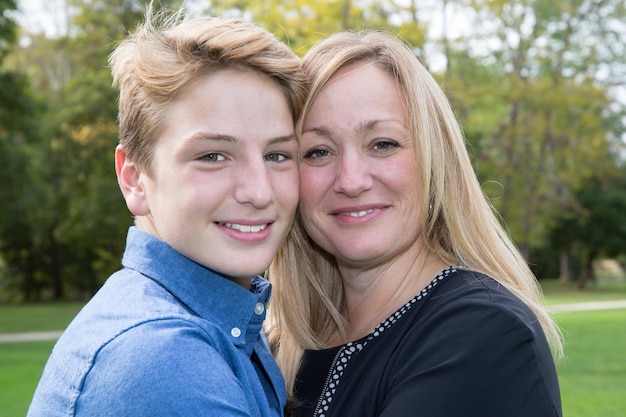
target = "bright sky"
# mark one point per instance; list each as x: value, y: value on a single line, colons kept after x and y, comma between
x: 42, y: 15
x: 49, y: 16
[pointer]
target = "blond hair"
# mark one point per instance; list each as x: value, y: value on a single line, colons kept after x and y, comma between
x: 460, y: 225
x: 167, y: 53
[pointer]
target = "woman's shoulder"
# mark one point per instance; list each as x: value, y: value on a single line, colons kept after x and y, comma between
x: 469, y: 314
x: 469, y: 302
x: 473, y: 339
x: 466, y: 287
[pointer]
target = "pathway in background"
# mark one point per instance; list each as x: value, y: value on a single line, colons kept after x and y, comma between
x: 30, y: 337
x: 591, y: 305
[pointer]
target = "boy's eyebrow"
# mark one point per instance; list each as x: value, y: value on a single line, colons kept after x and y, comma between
x: 199, y: 136
x: 286, y: 138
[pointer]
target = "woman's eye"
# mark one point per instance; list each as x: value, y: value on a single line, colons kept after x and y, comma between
x: 315, y: 153
x: 385, y: 145
x: 213, y: 157
x: 276, y: 157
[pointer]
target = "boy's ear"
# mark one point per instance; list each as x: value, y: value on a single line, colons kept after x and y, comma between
x: 130, y: 180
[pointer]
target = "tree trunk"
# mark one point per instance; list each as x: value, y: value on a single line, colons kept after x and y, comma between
x: 57, y: 270
x: 565, y: 271
x: 586, y: 272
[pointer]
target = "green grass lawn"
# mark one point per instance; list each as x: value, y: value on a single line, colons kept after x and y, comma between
x: 37, y: 317
x: 592, y: 374
x: 20, y: 368
x: 21, y: 363
x: 556, y: 292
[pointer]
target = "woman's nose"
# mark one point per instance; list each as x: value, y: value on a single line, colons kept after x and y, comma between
x: 353, y: 175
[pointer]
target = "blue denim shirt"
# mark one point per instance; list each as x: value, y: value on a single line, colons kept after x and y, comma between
x: 164, y: 337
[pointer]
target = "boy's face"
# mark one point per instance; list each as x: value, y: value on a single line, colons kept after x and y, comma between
x: 223, y: 187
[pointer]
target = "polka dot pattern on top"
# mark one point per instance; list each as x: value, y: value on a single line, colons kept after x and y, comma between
x: 350, y: 349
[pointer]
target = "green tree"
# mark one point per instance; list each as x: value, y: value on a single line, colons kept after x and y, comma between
x: 18, y: 135
x: 78, y: 219
x: 532, y: 82
x: 7, y: 26
x: 541, y: 115
x: 598, y: 226
x: 299, y: 23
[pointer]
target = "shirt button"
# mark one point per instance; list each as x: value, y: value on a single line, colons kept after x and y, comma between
x: 259, y: 309
x: 235, y: 332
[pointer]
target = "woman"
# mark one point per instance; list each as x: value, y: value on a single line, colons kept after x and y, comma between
x: 398, y: 293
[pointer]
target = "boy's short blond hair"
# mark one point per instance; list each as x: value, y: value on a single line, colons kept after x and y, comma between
x: 167, y: 53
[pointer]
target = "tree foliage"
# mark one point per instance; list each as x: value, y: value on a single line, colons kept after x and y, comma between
x: 533, y: 83
x: 300, y: 23
x: 18, y: 136
x: 597, y: 226
x: 7, y: 26
x: 73, y: 225
x: 541, y: 117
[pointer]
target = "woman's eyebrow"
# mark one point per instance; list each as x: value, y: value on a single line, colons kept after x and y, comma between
x: 363, y: 126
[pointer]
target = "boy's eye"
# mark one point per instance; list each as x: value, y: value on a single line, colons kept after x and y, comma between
x: 276, y: 157
x: 213, y: 157
x: 316, y: 153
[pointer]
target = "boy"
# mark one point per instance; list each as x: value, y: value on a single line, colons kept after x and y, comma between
x: 207, y: 163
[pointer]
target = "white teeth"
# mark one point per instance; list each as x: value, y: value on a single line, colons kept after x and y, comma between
x: 245, y: 228
x: 361, y: 213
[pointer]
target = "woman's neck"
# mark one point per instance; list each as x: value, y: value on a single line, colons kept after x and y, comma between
x: 373, y: 294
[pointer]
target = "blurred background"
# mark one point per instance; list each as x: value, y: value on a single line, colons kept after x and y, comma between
x: 538, y: 85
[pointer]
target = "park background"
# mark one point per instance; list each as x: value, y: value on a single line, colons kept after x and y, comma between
x: 539, y: 87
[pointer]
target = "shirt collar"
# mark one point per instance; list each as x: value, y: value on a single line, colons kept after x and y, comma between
x: 238, y: 311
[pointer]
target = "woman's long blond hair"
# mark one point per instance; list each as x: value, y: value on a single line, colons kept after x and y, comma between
x: 461, y: 226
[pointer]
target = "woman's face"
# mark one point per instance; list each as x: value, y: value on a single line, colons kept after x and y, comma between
x: 360, y: 197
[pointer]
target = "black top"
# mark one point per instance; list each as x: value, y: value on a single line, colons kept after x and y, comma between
x: 465, y: 346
